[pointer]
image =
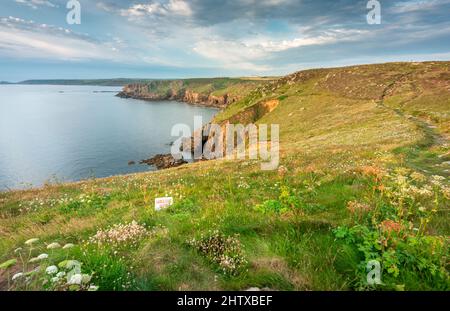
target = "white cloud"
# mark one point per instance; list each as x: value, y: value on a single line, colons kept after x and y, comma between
x: 172, y: 8
x: 417, y: 5
x: 27, y: 39
x: 246, y: 52
x: 36, y: 3
x: 327, y: 37
x: 227, y: 51
x: 107, y: 7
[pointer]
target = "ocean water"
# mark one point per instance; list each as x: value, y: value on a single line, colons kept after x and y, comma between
x: 70, y: 133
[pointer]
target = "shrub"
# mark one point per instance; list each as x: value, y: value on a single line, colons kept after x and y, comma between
x: 394, y: 231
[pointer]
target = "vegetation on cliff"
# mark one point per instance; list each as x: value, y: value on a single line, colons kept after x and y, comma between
x: 363, y: 176
x: 215, y: 92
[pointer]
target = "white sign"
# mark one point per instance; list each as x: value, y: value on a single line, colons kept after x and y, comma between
x: 161, y: 203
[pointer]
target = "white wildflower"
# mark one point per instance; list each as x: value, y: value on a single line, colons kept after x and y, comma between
x: 426, y: 191
x: 60, y: 274
x: 17, y: 250
x: 51, y: 270
x: 17, y: 276
x: 34, y: 259
x: 75, y: 279
x: 53, y: 245
x: 93, y: 288
x: 437, y: 180
x: 42, y: 256
x: 31, y: 241
x: 68, y: 245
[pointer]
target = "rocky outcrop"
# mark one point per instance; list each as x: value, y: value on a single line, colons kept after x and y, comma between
x: 142, y: 91
x: 245, y: 117
x: 162, y: 161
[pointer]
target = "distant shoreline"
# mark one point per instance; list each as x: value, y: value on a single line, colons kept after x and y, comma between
x: 79, y: 82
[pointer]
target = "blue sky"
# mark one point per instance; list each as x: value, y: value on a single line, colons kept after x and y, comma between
x: 195, y: 38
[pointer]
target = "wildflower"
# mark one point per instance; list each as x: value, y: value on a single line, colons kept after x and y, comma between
x: 75, y: 279
x: 437, y: 180
x: 390, y: 225
x: 418, y: 177
x: 55, y: 279
x: 372, y: 171
x: 34, y: 259
x: 53, y: 245
x: 355, y: 207
x: 51, y: 270
x: 93, y: 288
x: 17, y: 276
x: 224, y: 250
x: 31, y: 241
x: 120, y: 234
x: 60, y: 274
x: 446, y: 192
x: 68, y: 245
x: 425, y: 191
x: 17, y: 250
x: 42, y: 256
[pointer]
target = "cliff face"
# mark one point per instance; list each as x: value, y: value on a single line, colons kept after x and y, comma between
x: 145, y: 92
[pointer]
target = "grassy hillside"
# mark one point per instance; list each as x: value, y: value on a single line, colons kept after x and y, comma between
x: 213, y: 86
x: 363, y: 176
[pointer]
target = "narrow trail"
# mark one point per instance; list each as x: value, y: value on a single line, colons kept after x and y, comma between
x: 431, y: 137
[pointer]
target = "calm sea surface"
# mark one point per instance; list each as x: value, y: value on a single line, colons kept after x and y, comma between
x: 70, y: 133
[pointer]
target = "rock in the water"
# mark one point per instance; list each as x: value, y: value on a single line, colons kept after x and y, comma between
x: 162, y: 161
x: 131, y: 163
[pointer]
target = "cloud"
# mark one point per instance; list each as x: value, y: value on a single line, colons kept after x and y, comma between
x: 246, y: 53
x: 417, y: 5
x: 172, y: 8
x: 36, y: 3
x: 21, y: 38
x: 247, y: 36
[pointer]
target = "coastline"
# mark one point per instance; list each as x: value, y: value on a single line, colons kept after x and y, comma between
x: 206, y: 92
x: 143, y: 161
x: 191, y: 98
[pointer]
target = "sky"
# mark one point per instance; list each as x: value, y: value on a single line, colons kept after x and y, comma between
x: 209, y: 38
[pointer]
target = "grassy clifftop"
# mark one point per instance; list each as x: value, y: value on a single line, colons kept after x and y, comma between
x: 217, y: 92
x: 363, y: 176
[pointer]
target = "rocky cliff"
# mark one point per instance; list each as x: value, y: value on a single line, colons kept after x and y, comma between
x: 143, y: 91
x: 213, y: 92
